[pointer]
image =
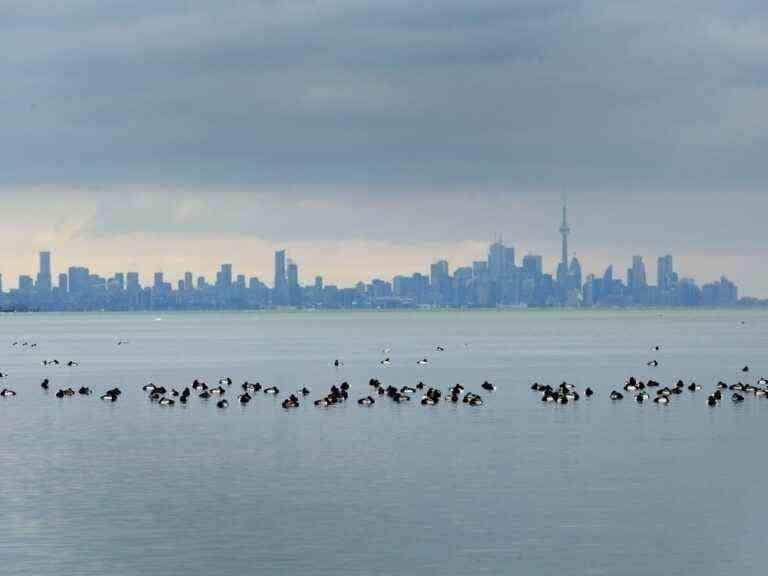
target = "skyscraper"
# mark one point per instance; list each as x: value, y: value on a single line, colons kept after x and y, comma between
x: 224, y: 277
x: 280, y: 285
x: 63, y: 283
x: 44, y: 282
x: 188, y: 282
x: 294, y: 290
x: 497, y: 255
x: 665, y: 273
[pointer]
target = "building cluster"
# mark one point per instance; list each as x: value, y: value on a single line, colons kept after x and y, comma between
x: 498, y: 281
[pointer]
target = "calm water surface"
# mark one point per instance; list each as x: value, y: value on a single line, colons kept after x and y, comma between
x: 515, y: 486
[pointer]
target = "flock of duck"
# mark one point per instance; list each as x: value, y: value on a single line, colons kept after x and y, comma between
x: 653, y: 390
x: 337, y: 394
x: 565, y: 393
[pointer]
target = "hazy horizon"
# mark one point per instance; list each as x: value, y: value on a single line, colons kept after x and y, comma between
x: 370, y: 139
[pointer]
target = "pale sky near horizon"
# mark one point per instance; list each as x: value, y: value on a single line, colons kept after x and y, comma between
x: 370, y: 138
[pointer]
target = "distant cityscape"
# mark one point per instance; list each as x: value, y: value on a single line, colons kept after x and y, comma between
x: 496, y: 282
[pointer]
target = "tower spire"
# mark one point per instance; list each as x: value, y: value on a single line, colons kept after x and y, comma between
x: 564, y: 231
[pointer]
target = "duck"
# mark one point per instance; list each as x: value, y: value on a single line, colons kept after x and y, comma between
x: 661, y: 400
x: 653, y: 363
x: 737, y: 397
x: 73, y: 363
x: 407, y: 390
x: 428, y: 401
x: 166, y: 402
x: 7, y: 392
x: 338, y: 363
x: 222, y: 403
x: 711, y: 400
x: 476, y: 401
x: 439, y: 349
x: 422, y: 362
x: 588, y: 392
x: 148, y: 387
x: 271, y: 390
x: 616, y: 395
x: 488, y: 386
x: 227, y: 381
x: 291, y: 402
x: 45, y: 384
x: 693, y: 387
x: 304, y: 391
x: 745, y: 369
x: 385, y: 362
x: 84, y: 391
x: 218, y: 390
x: 109, y: 397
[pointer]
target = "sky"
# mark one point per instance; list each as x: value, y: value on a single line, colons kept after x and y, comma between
x: 370, y: 138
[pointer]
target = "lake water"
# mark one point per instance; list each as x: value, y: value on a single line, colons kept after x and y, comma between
x: 515, y: 486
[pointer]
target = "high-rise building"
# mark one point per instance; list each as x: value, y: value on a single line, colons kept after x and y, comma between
x: 63, y: 284
x: 224, y: 277
x: 497, y: 260
x: 158, y: 281
x: 79, y: 279
x: 188, y: 285
x: 533, y: 266
x: 574, y: 275
x: 638, y: 273
x: 44, y: 282
x: 281, y: 283
x: 665, y: 273
x: 294, y: 290
x: 132, y: 285
x: 26, y: 283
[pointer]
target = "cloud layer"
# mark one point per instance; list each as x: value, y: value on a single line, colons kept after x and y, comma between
x: 407, y: 130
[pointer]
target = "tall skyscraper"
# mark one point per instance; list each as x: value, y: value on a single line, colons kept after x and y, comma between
x: 497, y: 255
x: 280, y: 285
x: 132, y: 282
x: 44, y: 282
x: 665, y: 273
x: 564, y: 231
x: 224, y: 277
x: 63, y: 284
x: 79, y: 278
x: 188, y: 285
x: 294, y: 290
x: 636, y: 274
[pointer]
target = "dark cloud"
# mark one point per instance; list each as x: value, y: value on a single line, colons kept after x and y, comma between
x: 399, y: 121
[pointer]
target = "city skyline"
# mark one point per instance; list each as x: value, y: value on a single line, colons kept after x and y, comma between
x: 497, y: 280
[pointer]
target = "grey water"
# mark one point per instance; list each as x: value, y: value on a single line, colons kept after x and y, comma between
x: 513, y: 486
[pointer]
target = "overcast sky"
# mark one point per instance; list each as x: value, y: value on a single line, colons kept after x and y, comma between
x: 370, y: 138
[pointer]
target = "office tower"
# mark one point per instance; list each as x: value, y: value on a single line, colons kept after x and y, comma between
x: 665, y: 273
x: 226, y: 275
x: 201, y: 283
x: 533, y: 266
x: 294, y: 294
x: 638, y: 273
x: 188, y: 281
x: 240, y: 283
x: 438, y: 272
x: 63, y: 284
x: 79, y: 279
x: 180, y: 285
x: 574, y: 275
x: 25, y: 283
x: 509, y: 259
x: 496, y: 260
x: 44, y: 282
x: 318, y: 284
x: 480, y: 268
x: 132, y: 282
x: 280, y: 285
x: 158, y: 281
